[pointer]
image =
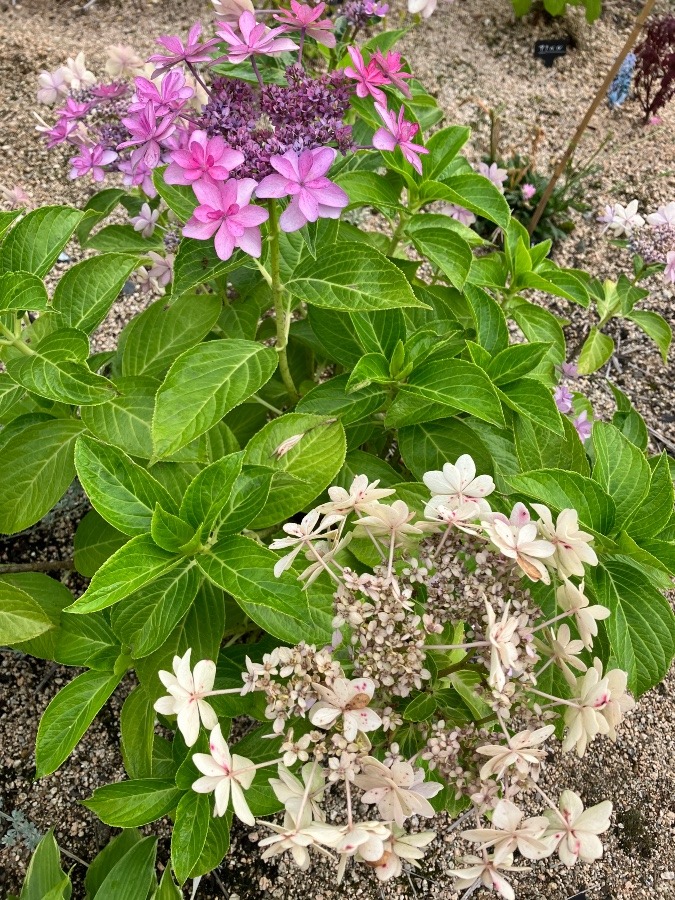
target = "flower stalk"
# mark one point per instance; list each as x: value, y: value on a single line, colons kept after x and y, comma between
x: 281, y: 310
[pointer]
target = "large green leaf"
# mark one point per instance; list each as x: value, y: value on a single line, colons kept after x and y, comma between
x: 120, y: 490
x: 45, y: 879
x: 353, y: 277
x: 21, y: 290
x: 97, y: 208
x: 197, y: 262
x: 655, y: 327
x: 152, y: 340
x: 132, y: 877
x: 36, y: 468
x: 189, y: 833
x: 21, y: 618
x: 540, y: 448
x: 125, y: 421
x: 446, y: 250
x: 244, y: 569
x: 515, y: 361
x: 50, y: 596
x: 568, y: 490
x: 203, y: 385
x: 459, y: 385
x: 209, y: 492
x: 137, y: 733
x: 313, y: 460
x: 139, y: 562
x: 597, y: 349
x: 95, y: 541
x: 477, y: 194
x: 124, y: 239
x: 35, y: 243
x: 86, y: 292
x: 129, y: 804
x: 443, y: 147
x: 370, y: 189
x: 148, y: 616
x: 68, y: 716
x: 656, y: 509
x: 641, y: 628
x: 429, y: 446
x: 621, y: 469
x: 56, y: 370
x: 532, y: 399
x: 330, y: 398
x: 247, y: 498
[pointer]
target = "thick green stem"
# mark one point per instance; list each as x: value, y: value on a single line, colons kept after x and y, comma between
x: 16, y: 341
x: 396, y: 236
x: 281, y: 310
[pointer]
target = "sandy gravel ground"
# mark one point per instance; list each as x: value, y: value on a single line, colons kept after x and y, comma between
x: 470, y: 50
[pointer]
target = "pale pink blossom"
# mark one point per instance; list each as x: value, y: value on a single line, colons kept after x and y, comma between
x: 563, y: 650
x: 399, y: 848
x: 621, y: 220
x: 520, y: 543
x: 226, y: 775
x: 302, y: 177
x: 574, y: 830
x: 571, y: 544
x: 573, y: 600
x: 91, y: 160
x: 253, y: 39
x: 162, y: 267
x: 503, y: 639
x: 390, y: 521
x: 300, y: 537
x: 296, y: 837
x: 461, y: 215
x: 524, y: 751
x: 598, y: 708
x: 226, y: 212
x: 346, y: 700
x: 583, y: 426
x: 361, y: 494
x: 398, y: 133
x: 193, y: 52
x: 369, y: 76
x: 664, y: 215
x: 487, y: 871
x: 528, y: 191
x: 52, y: 86
x: 493, y: 173
x: 230, y: 10
x: 14, y: 197
x: 457, y: 483
x: 462, y: 515
x: 399, y: 791
x: 307, y: 20
x: 669, y: 272
x: 123, y: 61
x: 146, y: 220
x: 77, y: 75
x: 186, y: 692
x: 425, y: 8
x: 510, y: 833
x: 291, y: 790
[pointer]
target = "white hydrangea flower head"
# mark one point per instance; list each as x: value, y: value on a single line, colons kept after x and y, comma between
x: 226, y: 775
x: 186, y: 692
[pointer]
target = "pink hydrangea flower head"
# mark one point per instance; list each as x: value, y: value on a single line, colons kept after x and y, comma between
x: 669, y: 273
x: 192, y: 52
x: 373, y: 8
x: 390, y: 66
x: 368, y: 76
x: 253, y: 39
x: 563, y: 399
x: 528, y: 191
x: 138, y: 175
x: 398, y: 133
x: 91, y: 160
x: 307, y: 19
x: 230, y: 10
x: 168, y: 95
x: 583, y: 426
x: 74, y: 109
x: 226, y: 211
x: 147, y: 133
x: 302, y: 176
x: 113, y: 91
x: 203, y: 157
x: 52, y: 86
x: 493, y: 173
x: 570, y: 370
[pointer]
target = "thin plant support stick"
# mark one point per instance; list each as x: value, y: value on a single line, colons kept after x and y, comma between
x: 590, y: 112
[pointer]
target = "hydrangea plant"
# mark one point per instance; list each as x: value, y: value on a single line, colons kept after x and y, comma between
x: 331, y: 485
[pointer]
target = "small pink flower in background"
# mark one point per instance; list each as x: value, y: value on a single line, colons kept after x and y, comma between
x: 669, y: 273
x: 399, y: 133
x: 493, y: 173
x: 191, y: 53
x: 621, y: 220
x: 307, y: 19
x: 123, y: 61
x: 570, y: 370
x: 655, y: 120
x: 204, y: 157
x: 15, y: 197
x: 91, y: 159
x: 162, y: 268
x: 302, y: 176
x: 74, y: 109
x: 253, y: 39
x: 225, y: 211
x: 563, y: 399
x: 528, y: 191
x: 583, y: 426
x: 114, y: 91
x: 664, y: 215
x: 464, y: 216
x: 390, y: 65
x: 52, y: 86
x: 376, y: 9
x: 147, y: 133
x: 169, y: 95
x: 425, y: 8
x: 77, y: 75
x: 230, y: 10
x: 369, y: 76
x: 145, y: 221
